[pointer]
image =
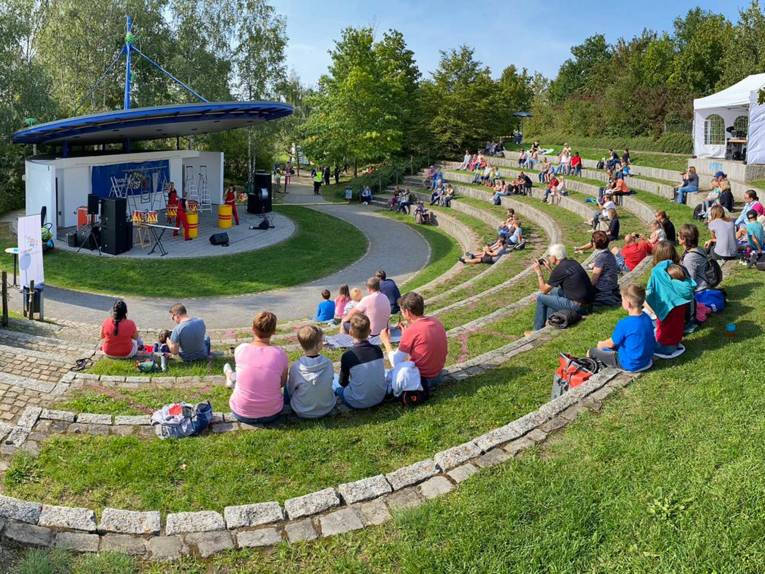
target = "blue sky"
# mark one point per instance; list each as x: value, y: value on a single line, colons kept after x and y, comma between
x: 530, y: 34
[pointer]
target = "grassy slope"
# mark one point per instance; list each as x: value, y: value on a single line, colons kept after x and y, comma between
x: 287, y: 263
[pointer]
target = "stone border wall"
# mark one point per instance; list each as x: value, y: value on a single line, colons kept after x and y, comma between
x: 328, y: 512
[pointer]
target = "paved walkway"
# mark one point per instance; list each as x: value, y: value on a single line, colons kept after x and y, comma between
x: 393, y: 246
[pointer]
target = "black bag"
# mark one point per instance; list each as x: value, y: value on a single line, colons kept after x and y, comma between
x: 414, y: 398
x: 564, y: 318
x: 497, y: 200
x: 698, y: 212
x: 713, y: 275
x: 219, y: 239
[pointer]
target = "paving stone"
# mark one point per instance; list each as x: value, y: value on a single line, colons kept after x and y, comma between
x: 364, y: 489
x: 518, y: 445
x: 252, y: 514
x: 65, y: 416
x: 5, y: 428
x: 124, y: 430
x: 28, y: 534
x: 208, y: 543
x: 77, y: 541
x: 132, y: 420
x: 456, y: 455
x: 493, y: 457
x: 436, y: 486
x: 20, y: 510
x: 129, y: 521
x: 537, y: 435
x: 412, y: 474
x: 124, y: 543
x: 68, y: 517
x: 202, y: 521
x: 94, y: 419
x: 29, y: 417
x: 340, y: 521
x: 260, y: 537
x: 301, y: 530
x: 462, y: 472
x: 31, y: 447
x: 405, y: 498
x: 312, y: 503
x: 374, y: 512
x: 16, y: 437
x: 164, y: 548
x: 553, y: 425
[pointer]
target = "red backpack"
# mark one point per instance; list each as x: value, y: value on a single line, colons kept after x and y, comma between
x: 571, y: 373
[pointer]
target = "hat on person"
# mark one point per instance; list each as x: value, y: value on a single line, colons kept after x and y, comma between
x: 719, y: 174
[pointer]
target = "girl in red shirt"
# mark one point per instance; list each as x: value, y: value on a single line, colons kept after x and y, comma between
x: 119, y: 335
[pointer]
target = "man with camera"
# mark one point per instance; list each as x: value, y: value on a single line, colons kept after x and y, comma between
x: 568, y: 286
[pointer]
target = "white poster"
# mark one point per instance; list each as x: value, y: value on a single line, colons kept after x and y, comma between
x: 30, y: 250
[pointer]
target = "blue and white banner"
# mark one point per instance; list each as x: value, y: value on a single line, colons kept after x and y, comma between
x: 123, y: 179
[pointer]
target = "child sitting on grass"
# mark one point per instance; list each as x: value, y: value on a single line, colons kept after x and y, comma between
x: 325, y: 312
x: 361, y: 383
x: 356, y: 297
x: 309, y: 384
x: 632, y: 343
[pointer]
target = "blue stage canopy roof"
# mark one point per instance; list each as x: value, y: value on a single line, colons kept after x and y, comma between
x: 152, y: 123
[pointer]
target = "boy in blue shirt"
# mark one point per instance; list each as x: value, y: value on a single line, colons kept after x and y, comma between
x: 632, y: 343
x: 325, y: 312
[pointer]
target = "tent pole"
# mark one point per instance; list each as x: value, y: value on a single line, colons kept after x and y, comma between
x: 128, y: 51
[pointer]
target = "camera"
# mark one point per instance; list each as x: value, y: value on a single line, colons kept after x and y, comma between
x: 542, y: 261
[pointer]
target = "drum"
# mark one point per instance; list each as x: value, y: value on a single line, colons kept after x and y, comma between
x: 224, y: 216
x: 172, y: 212
x: 193, y: 221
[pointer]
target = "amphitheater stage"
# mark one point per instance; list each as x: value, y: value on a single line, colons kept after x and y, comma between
x: 241, y: 238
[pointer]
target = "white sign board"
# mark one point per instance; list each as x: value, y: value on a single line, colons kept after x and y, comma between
x: 30, y: 250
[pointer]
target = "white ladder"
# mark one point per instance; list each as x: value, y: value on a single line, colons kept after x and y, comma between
x: 205, y: 203
x: 190, y: 190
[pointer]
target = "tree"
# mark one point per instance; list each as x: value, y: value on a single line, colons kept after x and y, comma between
x: 585, y: 72
x: 744, y: 47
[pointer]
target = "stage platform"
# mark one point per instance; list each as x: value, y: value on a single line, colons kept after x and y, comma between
x: 242, y: 238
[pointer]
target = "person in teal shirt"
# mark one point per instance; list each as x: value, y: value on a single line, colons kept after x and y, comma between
x: 755, y: 234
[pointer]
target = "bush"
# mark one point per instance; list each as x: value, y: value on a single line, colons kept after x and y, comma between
x: 668, y: 143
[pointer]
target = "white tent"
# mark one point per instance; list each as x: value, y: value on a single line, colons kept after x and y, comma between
x: 732, y: 107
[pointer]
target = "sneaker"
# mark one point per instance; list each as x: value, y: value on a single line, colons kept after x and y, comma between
x: 462, y: 260
x: 229, y: 372
x: 679, y: 351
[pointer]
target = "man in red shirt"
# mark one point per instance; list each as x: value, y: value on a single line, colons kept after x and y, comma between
x: 423, y: 339
x: 634, y: 251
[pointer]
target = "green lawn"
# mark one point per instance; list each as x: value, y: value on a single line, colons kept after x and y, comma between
x: 287, y: 263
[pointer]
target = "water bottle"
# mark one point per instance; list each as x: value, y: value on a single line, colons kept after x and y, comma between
x: 730, y: 330
x: 163, y: 362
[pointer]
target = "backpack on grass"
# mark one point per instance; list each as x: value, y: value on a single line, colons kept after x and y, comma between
x: 564, y: 318
x: 713, y: 275
x: 178, y: 420
x: 698, y: 212
x: 571, y: 373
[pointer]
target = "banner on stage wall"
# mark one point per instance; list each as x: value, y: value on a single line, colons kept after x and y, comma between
x: 30, y: 250
x: 135, y: 178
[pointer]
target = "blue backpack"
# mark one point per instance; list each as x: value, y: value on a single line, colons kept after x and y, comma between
x: 712, y: 298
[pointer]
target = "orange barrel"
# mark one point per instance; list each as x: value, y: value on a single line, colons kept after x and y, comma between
x: 193, y: 221
x: 224, y: 216
x: 82, y: 217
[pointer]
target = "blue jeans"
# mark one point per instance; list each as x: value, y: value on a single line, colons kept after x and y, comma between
x: 682, y: 191
x: 432, y: 382
x: 548, y: 304
x: 541, y: 177
x: 259, y: 420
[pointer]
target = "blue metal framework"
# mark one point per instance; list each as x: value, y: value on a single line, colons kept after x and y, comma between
x: 149, y: 123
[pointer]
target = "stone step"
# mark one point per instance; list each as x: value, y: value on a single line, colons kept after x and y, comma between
x: 45, y: 344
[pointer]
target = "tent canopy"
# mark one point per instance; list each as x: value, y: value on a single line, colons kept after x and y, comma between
x: 735, y: 96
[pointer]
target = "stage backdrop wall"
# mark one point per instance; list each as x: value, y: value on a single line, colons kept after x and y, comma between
x: 143, y: 178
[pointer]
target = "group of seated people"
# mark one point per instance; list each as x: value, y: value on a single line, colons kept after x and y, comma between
x: 494, y: 148
x: 614, y: 164
x: 442, y: 194
x: 568, y: 164
x: 740, y: 238
x: 509, y: 237
x: 264, y: 383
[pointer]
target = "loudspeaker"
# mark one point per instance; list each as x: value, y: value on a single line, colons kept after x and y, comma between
x: 116, y: 230
x: 219, y: 239
x: 261, y: 198
x: 93, y: 204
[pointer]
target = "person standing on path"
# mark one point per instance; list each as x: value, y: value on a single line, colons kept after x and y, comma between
x: 326, y: 175
x: 317, y: 179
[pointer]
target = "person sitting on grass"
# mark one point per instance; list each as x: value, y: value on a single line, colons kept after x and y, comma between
x: 694, y: 259
x: 356, y: 296
x: 421, y: 214
x: 375, y: 306
x: 406, y: 199
x: 754, y: 234
x: 341, y: 301
x: 260, y: 374
x: 326, y: 309
x: 189, y: 338
x: 119, y: 335
x: 668, y: 296
x: 437, y: 194
x: 448, y: 196
x: 605, y: 203
x: 632, y: 343
x: 634, y: 251
x: 657, y: 233
x: 422, y: 338
x: 605, y: 272
x: 361, y: 383
x: 309, y: 383
x: 488, y: 255
x: 389, y: 288
x: 690, y: 184
x: 568, y: 287
x: 551, y: 188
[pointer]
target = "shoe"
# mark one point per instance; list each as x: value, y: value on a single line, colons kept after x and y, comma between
x: 679, y: 351
x: 462, y: 260
x: 229, y: 372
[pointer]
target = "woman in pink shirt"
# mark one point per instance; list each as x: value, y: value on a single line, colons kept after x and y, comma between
x: 261, y: 372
